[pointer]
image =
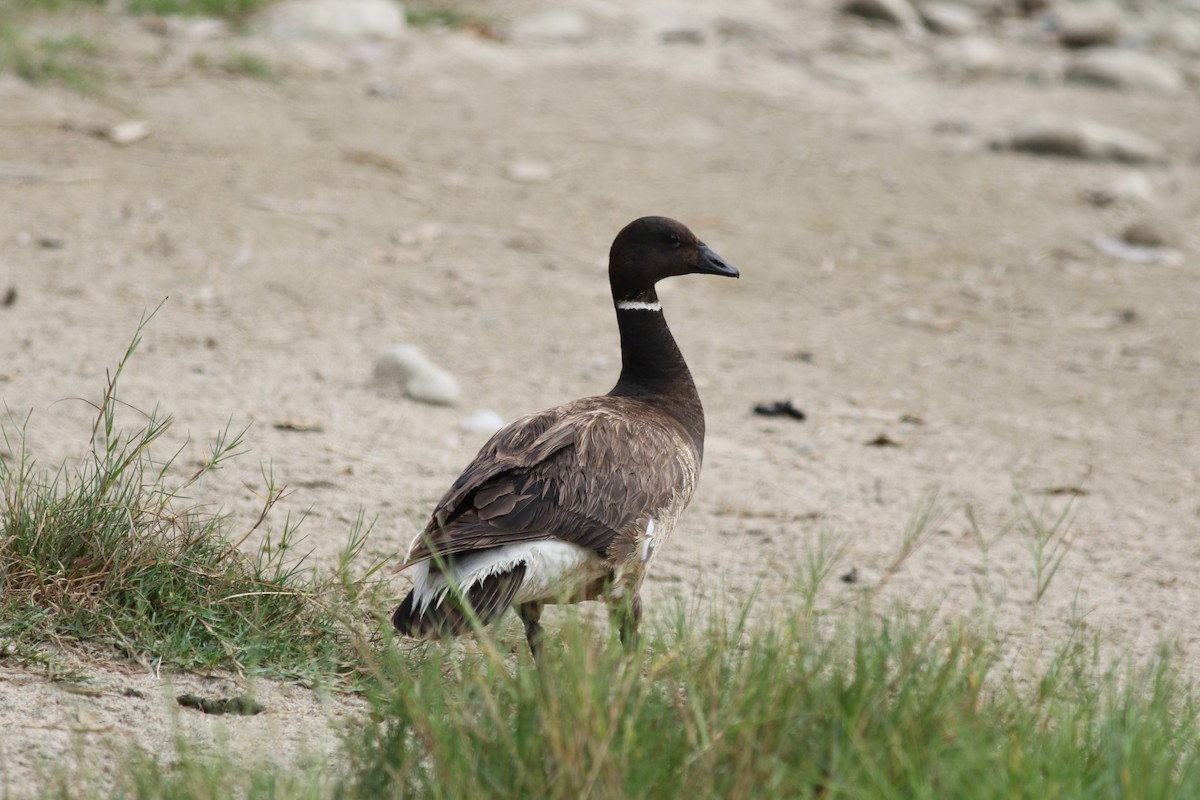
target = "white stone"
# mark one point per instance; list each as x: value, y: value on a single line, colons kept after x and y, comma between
x: 949, y: 19
x: 1130, y: 188
x: 128, y: 132
x: 554, y: 26
x: 972, y: 56
x: 1089, y: 24
x: 486, y: 421
x: 1125, y: 69
x: 895, y: 12
x: 1047, y: 134
x: 333, y: 19
x: 407, y: 367
x: 528, y: 171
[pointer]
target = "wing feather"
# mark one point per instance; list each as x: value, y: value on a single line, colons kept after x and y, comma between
x: 586, y: 472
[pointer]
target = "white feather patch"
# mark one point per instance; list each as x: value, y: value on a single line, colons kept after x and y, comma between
x: 553, y: 569
x: 648, y: 541
x: 637, y: 305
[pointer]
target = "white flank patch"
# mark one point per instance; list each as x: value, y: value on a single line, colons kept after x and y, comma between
x: 648, y: 541
x: 553, y: 569
x: 637, y: 305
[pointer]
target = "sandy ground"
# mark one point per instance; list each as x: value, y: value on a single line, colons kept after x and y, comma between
x: 900, y: 279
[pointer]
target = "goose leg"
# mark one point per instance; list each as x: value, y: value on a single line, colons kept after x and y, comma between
x: 628, y: 614
x: 531, y: 614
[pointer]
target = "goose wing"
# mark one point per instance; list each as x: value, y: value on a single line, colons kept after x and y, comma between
x: 590, y: 472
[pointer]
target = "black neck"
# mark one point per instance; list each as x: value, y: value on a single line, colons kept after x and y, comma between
x: 653, y: 369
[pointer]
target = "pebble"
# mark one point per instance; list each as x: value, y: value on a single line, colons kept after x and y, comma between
x: 948, y: 19
x: 486, y: 421
x: 527, y: 171
x: 385, y: 89
x: 1125, y: 69
x: 128, y: 132
x: 972, y: 57
x: 407, y: 367
x: 1045, y: 134
x: 1145, y: 233
x: 894, y: 12
x: 1088, y: 24
x: 554, y: 26
x: 333, y: 19
x: 1130, y: 187
x: 1135, y: 253
x: 1182, y: 35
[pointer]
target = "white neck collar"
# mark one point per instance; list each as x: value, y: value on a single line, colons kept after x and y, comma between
x: 637, y: 305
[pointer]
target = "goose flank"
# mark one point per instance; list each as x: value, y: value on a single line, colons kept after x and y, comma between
x: 572, y: 503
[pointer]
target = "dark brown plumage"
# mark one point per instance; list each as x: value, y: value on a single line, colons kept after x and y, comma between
x: 571, y: 503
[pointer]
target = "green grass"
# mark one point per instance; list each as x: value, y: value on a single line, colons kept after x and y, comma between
x: 73, y: 61
x: 111, y: 550
x: 235, y: 10
x: 785, y: 706
x: 239, y: 64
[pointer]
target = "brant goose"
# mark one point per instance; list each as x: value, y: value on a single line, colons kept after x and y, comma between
x: 572, y: 503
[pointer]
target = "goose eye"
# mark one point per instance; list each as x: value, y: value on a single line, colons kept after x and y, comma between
x: 673, y: 240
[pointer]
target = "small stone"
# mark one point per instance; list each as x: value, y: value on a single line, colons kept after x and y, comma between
x: 1088, y: 24
x: 385, y: 89
x: 407, y: 367
x: 554, y: 26
x: 1182, y: 35
x: 1125, y: 69
x: 128, y: 132
x: 333, y: 19
x: 972, y: 57
x: 527, y: 171
x: 1030, y: 7
x: 682, y: 36
x: 1131, y: 187
x: 894, y: 12
x: 486, y: 421
x: 1145, y: 233
x: 1135, y: 253
x: 948, y: 19
x: 1045, y: 134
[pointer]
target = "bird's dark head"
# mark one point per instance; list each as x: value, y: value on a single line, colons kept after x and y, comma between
x: 652, y: 248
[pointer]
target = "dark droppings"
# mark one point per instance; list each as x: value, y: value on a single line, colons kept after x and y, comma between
x: 780, y: 408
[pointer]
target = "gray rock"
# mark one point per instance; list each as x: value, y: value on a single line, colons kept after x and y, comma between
x: 948, y: 19
x: 972, y: 57
x: 1125, y: 69
x: 1046, y: 134
x: 1088, y: 24
x: 554, y: 26
x: 1146, y: 233
x: 1182, y: 35
x: 407, y: 368
x: 1135, y: 253
x: 1130, y: 188
x: 894, y: 12
x: 333, y: 19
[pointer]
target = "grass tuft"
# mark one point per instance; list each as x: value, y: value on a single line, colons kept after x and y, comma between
x: 112, y: 551
x: 73, y: 61
x: 235, y: 10
x: 773, y: 705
